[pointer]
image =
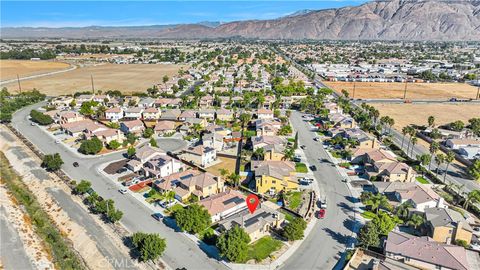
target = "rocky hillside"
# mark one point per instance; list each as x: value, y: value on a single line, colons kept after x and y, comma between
x: 385, y: 20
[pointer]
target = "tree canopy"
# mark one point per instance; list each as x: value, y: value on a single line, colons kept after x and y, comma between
x: 150, y: 245
x: 233, y: 244
x: 193, y: 219
x: 52, y: 162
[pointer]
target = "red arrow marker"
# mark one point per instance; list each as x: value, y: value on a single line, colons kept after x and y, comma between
x: 252, y: 202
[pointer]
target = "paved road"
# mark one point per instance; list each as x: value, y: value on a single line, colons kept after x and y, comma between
x: 181, y: 252
x: 12, y: 253
x: 324, y: 246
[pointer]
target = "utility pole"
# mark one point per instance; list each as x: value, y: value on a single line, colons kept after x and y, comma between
x: 93, y: 87
x: 19, y: 85
x: 405, y: 91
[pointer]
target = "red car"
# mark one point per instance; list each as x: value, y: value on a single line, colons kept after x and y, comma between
x: 321, y: 213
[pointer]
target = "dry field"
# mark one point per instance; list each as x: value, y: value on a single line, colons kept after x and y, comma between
x: 405, y: 114
x: 126, y: 78
x: 373, y: 90
x: 10, y: 68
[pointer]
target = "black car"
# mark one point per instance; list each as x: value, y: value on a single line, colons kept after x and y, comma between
x: 75, y: 164
x: 313, y: 168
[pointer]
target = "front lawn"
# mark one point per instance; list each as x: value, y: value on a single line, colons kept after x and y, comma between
x: 422, y: 180
x: 288, y: 217
x: 262, y: 248
x: 301, y: 167
x: 294, y: 199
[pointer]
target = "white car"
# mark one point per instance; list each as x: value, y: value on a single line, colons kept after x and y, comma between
x: 57, y: 141
x: 123, y: 190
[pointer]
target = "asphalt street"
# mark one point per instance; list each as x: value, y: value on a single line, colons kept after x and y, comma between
x: 326, y: 243
x: 180, y: 252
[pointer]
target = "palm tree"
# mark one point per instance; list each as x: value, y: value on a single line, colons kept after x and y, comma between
x: 415, y: 221
x: 377, y: 201
x: 439, y: 159
x: 235, y: 178
x: 431, y: 121
x: 404, y: 132
x: 224, y: 172
x: 472, y: 197
x: 414, y: 142
x: 450, y: 157
x: 424, y: 159
x: 434, y: 146
x: 259, y: 153
x: 288, y: 154
x: 390, y: 123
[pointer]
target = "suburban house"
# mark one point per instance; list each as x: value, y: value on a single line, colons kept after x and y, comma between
x: 213, y: 140
x: 108, y: 135
x: 200, y: 155
x: 164, y: 127
x: 462, y: 143
x: 424, y: 253
x: 151, y: 113
x: 224, y: 115
x: 341, y: 121
x: 273, y: 146
x: 134, y: 126
x: 332, y: 107
x: 363, y: 139
x: 114, y: 114
x: 190, y: 182
x: 61, y: 102
x: 131, y: 100
x: 420, y: 196
x: 208, y: 114
x: 267, y: 127
x: 171, y: 115
x: 161, y: 165
x: 264, y: 114
x: 133, y: 113
x: 70, y: 117
x: 83, y: 98
x: 447, y: 226
x: 224, y: 204
x: 273, y: 176
x: 206, y: 102
x: 142, y: 155
x: 187, y: 114
x: 77, y: 129
x: 146, y: 102
x: 256, y: 225
x: 102, y: 99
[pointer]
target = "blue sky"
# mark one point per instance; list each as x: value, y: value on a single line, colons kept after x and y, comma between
x: 122, y: 13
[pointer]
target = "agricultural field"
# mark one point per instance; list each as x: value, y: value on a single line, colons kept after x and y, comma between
x: 126, y: 78
x: 10, y: 68
x: 405, y: 114
x: 372, y: 90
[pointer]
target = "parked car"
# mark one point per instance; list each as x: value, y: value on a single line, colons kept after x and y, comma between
x: 123, y: 190
x: 33, y: 124
x: 321, y: 213
x: 323, y: 204
x: 313, y: 168
x: 297, y: 159
x: 75, y: 164
x: 305, y: 181
x: 57, y: 141
x: 157, y: 216
x: 302, y: 146
x: 316, y: 139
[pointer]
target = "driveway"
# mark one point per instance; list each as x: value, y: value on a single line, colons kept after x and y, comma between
x: 181, y: 251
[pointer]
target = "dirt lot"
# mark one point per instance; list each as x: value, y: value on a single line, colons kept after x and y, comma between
x: 405, y: 114
x: 126, y: 78
x: 414, y: 90
x: 227, y: 163
x: 10, y: 68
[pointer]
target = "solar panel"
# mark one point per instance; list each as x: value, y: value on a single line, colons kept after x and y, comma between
x: 236, y: 200
x: 186, y: 176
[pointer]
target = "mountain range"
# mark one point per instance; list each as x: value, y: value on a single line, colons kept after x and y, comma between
x: 438, y: 20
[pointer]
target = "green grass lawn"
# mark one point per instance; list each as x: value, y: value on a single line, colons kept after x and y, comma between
x: 368, y: 215
x: 263, y: 247
x: 301, y: 167
x: 294, y: 199
x: 289, y: 217
x: 422, y: 180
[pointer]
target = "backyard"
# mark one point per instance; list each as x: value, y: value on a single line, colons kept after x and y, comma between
x: 263, y: 248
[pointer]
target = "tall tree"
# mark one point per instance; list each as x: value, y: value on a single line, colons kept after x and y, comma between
x: 233, y: 244
x: 434, y: 146
x: 439, y: 159
x: 472, y: 197
x: 449, y: 159
x: 150, y: 245
x: 431, y: 121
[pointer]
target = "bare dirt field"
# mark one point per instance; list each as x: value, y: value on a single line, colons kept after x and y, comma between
x: 405, y: 114
x: 126, y: 78
x: 414, y: 90
x: 10, y: 68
